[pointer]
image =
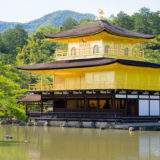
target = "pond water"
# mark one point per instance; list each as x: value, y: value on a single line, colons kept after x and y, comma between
x: 51, y: 143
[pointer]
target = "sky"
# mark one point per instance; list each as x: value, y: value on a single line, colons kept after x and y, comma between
x: 27, y: 10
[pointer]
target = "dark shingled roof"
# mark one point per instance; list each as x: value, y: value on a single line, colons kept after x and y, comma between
x: 81, y: 63
x: 31, y: 98
x: 98, y: 26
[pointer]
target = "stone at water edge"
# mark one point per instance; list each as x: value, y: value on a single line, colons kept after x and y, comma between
x: 22, y: 124
x: 25, y: 141
x: 131, y: 129
x: 103, y: 128
x: 7, y: 137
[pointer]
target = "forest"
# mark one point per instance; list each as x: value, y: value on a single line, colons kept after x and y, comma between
x: 17, y: 47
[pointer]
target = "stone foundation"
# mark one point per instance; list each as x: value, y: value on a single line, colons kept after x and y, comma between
x: 75, y: 124
x: 88, y: 124
x: 101, y: 124
x: 41, y: 123
x: 149, y: 126
x: 57, y: 123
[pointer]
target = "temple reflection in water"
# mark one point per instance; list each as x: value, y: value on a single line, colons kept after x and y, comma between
x: 86, y: 144
x: 77, y: 144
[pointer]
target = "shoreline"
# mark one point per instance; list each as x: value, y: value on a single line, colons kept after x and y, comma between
x: 143, y: 126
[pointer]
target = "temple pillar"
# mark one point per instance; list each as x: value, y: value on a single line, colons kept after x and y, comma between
x: 53, y: 82
x: 98, y: 104
x: 41, y: 81
x: 53, y: 105
x: 27, y: 112
x: 26, y: 108
x: 65, y: 107
x: 41, y: 106
x: 114, y: 105
x: 85, y: 103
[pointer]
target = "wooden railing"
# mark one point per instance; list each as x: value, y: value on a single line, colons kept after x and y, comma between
x: 76, y: 115
x: 112, y: 53
x: 40, y: 87
x: 49, y: 87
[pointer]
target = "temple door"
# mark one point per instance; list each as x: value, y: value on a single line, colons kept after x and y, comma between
x: 59, y: 105
x: 132, y: 107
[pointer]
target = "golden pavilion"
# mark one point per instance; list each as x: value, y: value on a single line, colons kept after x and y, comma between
x: 100, y: 76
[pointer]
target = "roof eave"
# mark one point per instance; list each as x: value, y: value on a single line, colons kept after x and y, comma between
x: 102, y: 30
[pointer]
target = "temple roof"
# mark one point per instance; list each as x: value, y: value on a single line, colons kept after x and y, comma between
x: 81, y: 63
x: 31, y: 98
x: 98, y: 26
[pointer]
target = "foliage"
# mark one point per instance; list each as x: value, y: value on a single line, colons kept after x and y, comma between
x: 85, y: 21
x: 143, y: 21
x: 2, y: 45
x: 152, y: 50
x: 123, y: 20
x: 12, y: 39
x: 69, y: 23
x: 37, y: 50
x: 9, y: 92
x: 156, y: 23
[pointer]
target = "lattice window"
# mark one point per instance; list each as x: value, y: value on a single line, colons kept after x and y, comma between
x: 106, y: 49
x: 73, y: 51
x: 95, y: 49
x: 126, y: 51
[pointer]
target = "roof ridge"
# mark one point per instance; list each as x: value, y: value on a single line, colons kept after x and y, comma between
x: 101, y: 24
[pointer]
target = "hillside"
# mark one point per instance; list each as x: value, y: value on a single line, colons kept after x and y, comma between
x: 56, y: 19
x: 5, y: 25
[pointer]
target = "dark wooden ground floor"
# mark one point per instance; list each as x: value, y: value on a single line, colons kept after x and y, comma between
x: 95, y: 105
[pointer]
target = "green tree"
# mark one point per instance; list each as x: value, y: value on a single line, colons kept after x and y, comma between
x: 152, y: 50
x: 37, y: 50
x: 156, y: 23
x: 9, y: 92
x: 85, y: 21
x: 2, y: 46
x: 123, y: 20
x: 14, y: 38
x: 69, y: 23
x: 143, y: 21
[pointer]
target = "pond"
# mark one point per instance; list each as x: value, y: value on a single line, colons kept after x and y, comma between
x: 51, y: 143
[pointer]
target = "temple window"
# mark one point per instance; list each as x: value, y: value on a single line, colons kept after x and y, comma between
x: 126, y: 51
x: 120, y: 103
x: 95, y: 49
x: 73, y: 51
x: 92, y: 104
x: 105, y: 104
x: 106, y: 49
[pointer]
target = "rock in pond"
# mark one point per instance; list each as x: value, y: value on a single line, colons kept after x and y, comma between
x: 131, y: 129
x: 7, y: 137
